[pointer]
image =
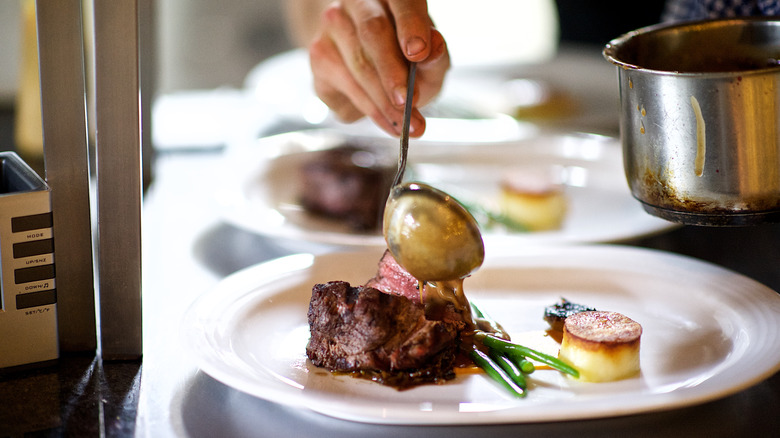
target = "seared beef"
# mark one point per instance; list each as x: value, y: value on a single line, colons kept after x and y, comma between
x: 391, y: 278
x: 380, y: 335
x: 349, y: 184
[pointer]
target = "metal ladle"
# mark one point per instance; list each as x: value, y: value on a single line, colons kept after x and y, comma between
x: 427, y: 231
x: 431, y: 234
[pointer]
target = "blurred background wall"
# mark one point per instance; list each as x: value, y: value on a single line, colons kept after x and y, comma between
x: 212, y: 43
x: 10, y: 45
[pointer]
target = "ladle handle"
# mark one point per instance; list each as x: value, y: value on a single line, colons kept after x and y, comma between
x: 399, y: 176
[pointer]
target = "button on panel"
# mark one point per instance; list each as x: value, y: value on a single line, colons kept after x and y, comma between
x: 35, y: 273
x: 35, y: 247
x: 31, y: 222
x: 35, y: 299
x: 32, y: 253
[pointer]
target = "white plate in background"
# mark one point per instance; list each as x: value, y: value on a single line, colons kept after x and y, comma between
x: 258, y: 186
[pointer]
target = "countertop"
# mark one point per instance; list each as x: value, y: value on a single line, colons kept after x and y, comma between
x: 188, y: 249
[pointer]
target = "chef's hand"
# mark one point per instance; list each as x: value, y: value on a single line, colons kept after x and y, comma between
x: 360, y: 60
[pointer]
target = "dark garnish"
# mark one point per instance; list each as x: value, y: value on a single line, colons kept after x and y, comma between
x: 556, y: 314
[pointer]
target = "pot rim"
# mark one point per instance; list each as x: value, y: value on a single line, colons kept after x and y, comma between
x: 612, y: 47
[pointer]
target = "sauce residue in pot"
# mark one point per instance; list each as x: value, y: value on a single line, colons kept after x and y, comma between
x: 701, y: 140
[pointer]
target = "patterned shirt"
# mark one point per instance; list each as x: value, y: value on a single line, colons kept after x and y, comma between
x: 679, y: 10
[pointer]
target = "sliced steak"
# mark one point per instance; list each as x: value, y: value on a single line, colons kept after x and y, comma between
x: 391, y: 278
x: 382, y: 336
x: 346, y: 183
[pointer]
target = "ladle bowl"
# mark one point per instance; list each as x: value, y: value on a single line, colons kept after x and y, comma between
x: 431, y: 234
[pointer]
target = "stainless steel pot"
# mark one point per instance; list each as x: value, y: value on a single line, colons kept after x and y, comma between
x: 700, y: 119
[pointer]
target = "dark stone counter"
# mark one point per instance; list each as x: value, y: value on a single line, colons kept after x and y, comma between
x: 78, y: 396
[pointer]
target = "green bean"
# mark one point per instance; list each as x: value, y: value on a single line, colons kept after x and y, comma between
x: 492, y: 325
x: 477, y: 311
x: 511, y: 369
x: 526, y: 366
x: 512, y: 350
x: 520, y: 360
x: 495, y: 372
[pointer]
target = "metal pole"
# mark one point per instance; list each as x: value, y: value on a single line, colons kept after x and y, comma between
x: 119, y: 177
x: 63, y: 103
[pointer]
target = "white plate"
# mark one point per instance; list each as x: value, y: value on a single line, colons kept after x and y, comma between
x: 708, y: 333
x: 260, y: 186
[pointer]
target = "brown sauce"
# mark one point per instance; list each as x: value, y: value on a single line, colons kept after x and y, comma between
x: 438, y: 293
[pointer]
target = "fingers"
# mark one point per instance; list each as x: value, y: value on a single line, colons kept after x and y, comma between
x: 376, y: 41
x: 360, y: 60
x: 413, y: 28
x: 365, y: 36
x: 391, y: 34
x: 338, y: 88
x: 345, y: 72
